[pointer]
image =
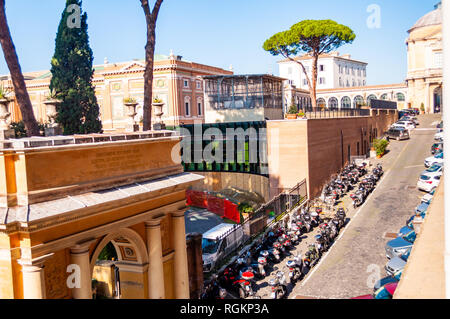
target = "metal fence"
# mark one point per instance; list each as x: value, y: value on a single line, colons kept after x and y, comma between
x: 270, y: 213
x: 318, y: 113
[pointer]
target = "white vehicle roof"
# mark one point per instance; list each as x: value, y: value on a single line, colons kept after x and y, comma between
x: 219, y: 230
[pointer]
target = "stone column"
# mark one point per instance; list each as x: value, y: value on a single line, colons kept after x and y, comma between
x: 79, y: 255
x: 155, y: 268
x: 180, y: 260
x: 33, y: 277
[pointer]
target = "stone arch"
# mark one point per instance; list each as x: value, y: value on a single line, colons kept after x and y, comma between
x: 346, y: 102
x: 371, y: 97
x: 333, y: 103
x: 123, y: 237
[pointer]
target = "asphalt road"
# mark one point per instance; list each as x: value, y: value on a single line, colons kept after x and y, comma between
x: 358, y: 258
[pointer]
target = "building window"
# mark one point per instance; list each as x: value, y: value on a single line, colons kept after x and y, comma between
x: 384, y: 96
x: 321, y: 103
x: 438, y: 60
x: 187, y: 108
x: 186, y: 83
x: 400, y: 97
x: 358, y: 101
x: 346, y: 103
x: 199, y: 108
x: 353, y: 71
x: 321, y: 80
x: 340, y: 82
x: 333, y: 103
x: 305, y: 82
x: 371, y: 97
x: 199, y: 85
x: 321, y: 68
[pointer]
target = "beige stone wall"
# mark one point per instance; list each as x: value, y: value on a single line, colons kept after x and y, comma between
x: 217, y: 181
x: 287, y: 153
x: 316, y: 149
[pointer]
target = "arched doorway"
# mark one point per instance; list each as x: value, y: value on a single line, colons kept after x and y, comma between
x: 358, y: 101
x: 321, y: 103
x: 437, y: 99
x: 119, y: 265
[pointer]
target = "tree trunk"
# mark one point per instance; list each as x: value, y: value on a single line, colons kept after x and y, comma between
x: 148, y: 77
x: 314, y: 81
x: 20, y: 89
x: 150, y: 17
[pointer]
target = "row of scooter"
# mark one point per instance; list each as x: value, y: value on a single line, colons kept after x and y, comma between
x: 348, y: 180
x: 366, y: 186
x: 237, y: 280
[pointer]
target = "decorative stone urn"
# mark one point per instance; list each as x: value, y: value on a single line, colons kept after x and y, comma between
x: 53, y: 128
x: 5, y: 131
x: 131, y: 126
x: 158, y: 112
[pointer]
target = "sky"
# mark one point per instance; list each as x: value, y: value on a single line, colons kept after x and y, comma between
x: 217, y: 32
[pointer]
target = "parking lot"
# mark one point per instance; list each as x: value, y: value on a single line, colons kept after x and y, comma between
x: 358, y: 256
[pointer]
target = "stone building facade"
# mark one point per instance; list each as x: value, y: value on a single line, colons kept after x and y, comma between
x: 425, y: 61
x: 63, y: 199
x: 176, y: 82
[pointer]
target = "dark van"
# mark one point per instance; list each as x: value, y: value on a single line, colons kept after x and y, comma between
x: 397, y: 134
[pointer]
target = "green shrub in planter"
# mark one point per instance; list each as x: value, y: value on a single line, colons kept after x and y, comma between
x: 380, y: 146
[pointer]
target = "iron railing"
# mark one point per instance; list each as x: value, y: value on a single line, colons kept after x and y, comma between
x: 318, y: 113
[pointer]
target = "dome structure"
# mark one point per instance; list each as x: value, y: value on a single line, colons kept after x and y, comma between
x: 431, y: 18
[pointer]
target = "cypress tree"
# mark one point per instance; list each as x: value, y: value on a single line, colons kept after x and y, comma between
x: 72, y: 74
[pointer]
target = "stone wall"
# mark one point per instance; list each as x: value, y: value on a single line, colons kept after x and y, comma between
x: 317, y: 148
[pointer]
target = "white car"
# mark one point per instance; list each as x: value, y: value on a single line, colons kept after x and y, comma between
x: 407, y: 125
x: 439, y: 136
x: 434, y: 170
x: 427, y: 183
x: 427, y: 198
x: 438, y: 159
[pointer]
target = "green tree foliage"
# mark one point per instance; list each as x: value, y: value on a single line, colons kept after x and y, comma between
x: 313, y: 37
x: 72, y: 74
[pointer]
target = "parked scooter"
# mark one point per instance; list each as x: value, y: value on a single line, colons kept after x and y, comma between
x: 295, y: 269
x: 278, y: 285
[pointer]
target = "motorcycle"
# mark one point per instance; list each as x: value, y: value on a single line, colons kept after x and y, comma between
x: 262, y: 262
x: 278, y: 285
x: 295, y: 269
x: 244, y: 285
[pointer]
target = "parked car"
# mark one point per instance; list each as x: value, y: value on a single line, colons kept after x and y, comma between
x: 404, y: 231
x: 421, y: 208
x: 385, y: 292
x: 410, y: 118
x: 400, y: 245
x: 434, y: 168
x: 437, y: 148
x: 397, y: 264
x: 408, y: 125
x: 439, y: 136
x: 440, y: 125
x: 397, y: 134
x: 437, y: 159
x: 395, y: 278
x: 427, y: 198
x: 433, y: 172
x: 428, y: 183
